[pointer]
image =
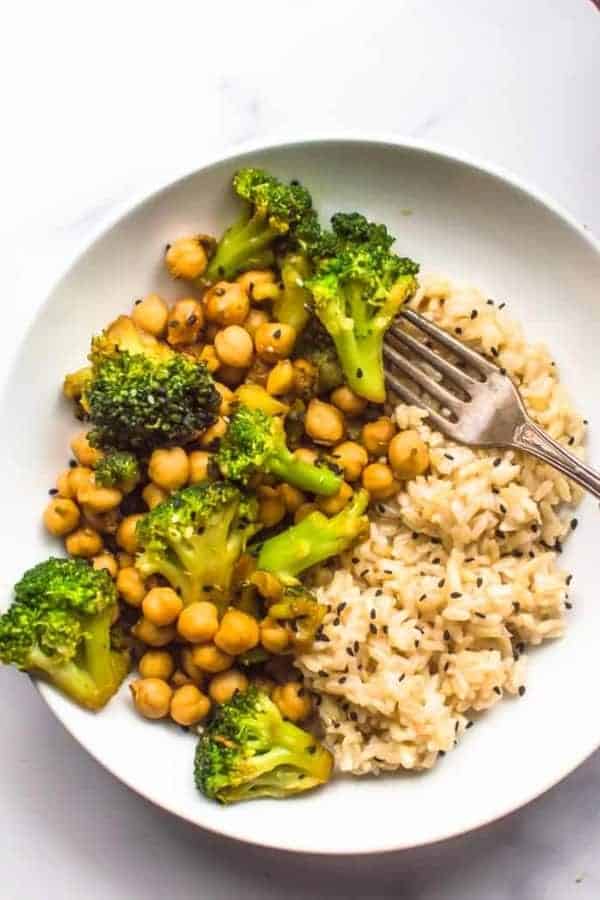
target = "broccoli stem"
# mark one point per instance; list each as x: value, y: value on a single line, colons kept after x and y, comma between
x: 293, y: 305
x: 69, y: 678
x: 245, y: 245
x: 312, y: 540
x: 307, y: 477
x: 361, y: 358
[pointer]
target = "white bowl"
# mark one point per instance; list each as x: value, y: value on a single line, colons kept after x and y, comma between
x: 466, y: 222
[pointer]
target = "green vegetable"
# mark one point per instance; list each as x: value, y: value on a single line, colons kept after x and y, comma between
x: 59, y: 627
x: 317, y: 347
x: 118, y: 469
x: 273, y: 208
x: 195, y: 537
x: 143, y: 395
x: 255, y: 442
x: 293, y: 304
x: 300, y: 607
x: 357, y: 291
x: 249, y: 751
x: 313, y: 540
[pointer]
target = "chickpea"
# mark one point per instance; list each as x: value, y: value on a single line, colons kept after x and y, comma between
x: 126, y: 535
x: 189, y: 705
x: 153, y: 495
x: 280, y: 379
x: 223, y: 686
x: 198, y: 622
x: 151, y: 315
x: 199, y: 461
x: 408, y: 455
x: 161, y: 606
x: 352, y: 457
x: 209, y: 658
x: 63, y: 484
x: 227, y: 398
x: 293, y: 701
x: 254, y: 278
x: 105, y: 523
x: 151, y: 697
x: 303, y: 511
x: 153, y: 635
x: 234, y: 346
x: 83, y: 542
x: 130, y: 585
x: 209, y: 357
x: 231, y: 376
x: 186, y: 258
x: 106, y: 561
x: 169, y: 468
x: 179, y: 678
x: 273, y: 636
x: 237, y: 632
x: 291, y: 496
x: 156, y: 664
x: 333, y: 505
x: 61, y: 516
x: 99, y: 499
x: 85, y: 454
x: 79, y: 477
x: 378, y: 480
x: 324, y: 423
x: 376, y: 436
x: 186, y: 318
x: 305, y: 454
x: 349, y: 402
x: 256, y: 318
x: 214, y: 433
x: 274, y: 341
x: 226, y: 304
x: 190, y: 668
x: 271, y: 510
x: 267, y: 584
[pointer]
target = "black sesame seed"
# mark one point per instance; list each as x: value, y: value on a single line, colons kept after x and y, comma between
x: 474, y: 313
x: 503, y: 509
x: 336, y: 621
x: 458, y: 330
x: 479, y: 582
x: 480, y: 615
x: 497, y: 462
x: 53, y: 491
x: 446, y: 635
x: 312, y: 749
x: 495, y: 351
x: 521, y: 690
x: 401, y: 678
x: 352, y: 715
x: 387, y: 572
x: 72, y: 463
x: 497, y: 690
x: 568, y: 605
x: 571, y: 441
x: 349, y: 651
x: 456, y: 726
x: 441, y: 582
x: 359, y: 373
x: 341, y: 607
x: 422, y: 597
x: 373, y: 613
x: 373, y: 628
x: 415, y: 535
x: 449, y: 456
x: 569, y: 579
x: 490, y: 302
x: 356, y: 646
x: 455, y: 595
x: 385, y: 629
x: 277, y: 334
x: 342, y: 680
x: 503, y: 371
x: 469, y: 724
x: 436, y: 561
x: 502, y: 305
x: 322, y: 673
x: 364, y: 572
x: 137, y: 302
x: 378, y: 592
x: 574, y: 524
x: 518, y: 554
x: 517, y: 606
x: 470, y: 559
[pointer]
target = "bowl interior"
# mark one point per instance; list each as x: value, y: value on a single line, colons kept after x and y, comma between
x: 457, y: 220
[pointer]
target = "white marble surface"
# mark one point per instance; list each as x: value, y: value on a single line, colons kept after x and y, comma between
x: 104, y: 101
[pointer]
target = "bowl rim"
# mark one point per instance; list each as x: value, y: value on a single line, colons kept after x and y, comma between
x: 227, y: 154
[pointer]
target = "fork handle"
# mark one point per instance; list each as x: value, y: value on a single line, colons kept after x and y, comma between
x: 534, y: 440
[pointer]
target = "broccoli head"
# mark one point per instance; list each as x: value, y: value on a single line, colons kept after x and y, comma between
x: 59, y: 628
x: 142, y: 394
x: 301, y: 611
x: 250, y: 751
x: 255, y: 442
x: 195, y: 538
x: 313, y: 540
x: 273, y: 208
x: 357, y: 291
x: 119, y: 469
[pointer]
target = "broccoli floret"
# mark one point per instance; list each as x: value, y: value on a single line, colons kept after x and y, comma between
x: 357, y: 291
x: 195, y: 537
x: 255, y: 442
x: 293, y: 304
x: 273, y: 209
x: 59, y: 627
x: 313, y: 540
x: 75, y: 384
x: 302, y: 611
x: 250, y: 751
x: 143, y: 395
x: 118, y: 469
x: 317, y: 347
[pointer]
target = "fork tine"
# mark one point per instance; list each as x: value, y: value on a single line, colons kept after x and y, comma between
x: 438, y: 362
x: 432, y: 387
x: 447, y: 340
x: 440, y: 422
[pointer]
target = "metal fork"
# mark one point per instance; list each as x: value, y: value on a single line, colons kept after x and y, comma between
x: 484, y: 409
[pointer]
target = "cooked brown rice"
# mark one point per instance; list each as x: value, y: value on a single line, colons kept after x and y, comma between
x: 428, y: 619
